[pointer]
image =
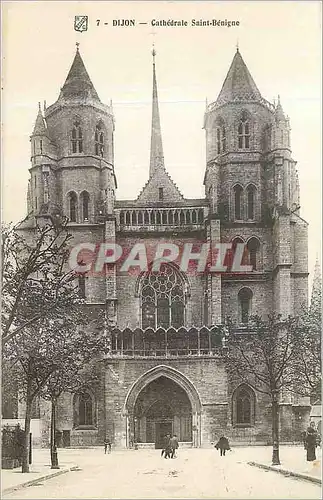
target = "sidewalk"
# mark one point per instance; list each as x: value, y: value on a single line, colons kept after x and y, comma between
x: 293, y: 462
x: 12, y: 479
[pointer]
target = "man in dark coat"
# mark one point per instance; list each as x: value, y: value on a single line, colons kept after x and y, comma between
x: 311, y: 442
x: 166, y: 451
x: 173, y: 445
x: 222, y: 445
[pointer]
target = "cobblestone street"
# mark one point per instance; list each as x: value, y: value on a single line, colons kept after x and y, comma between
x: 196, y: 473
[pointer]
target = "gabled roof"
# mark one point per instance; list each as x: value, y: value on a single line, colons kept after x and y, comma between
x: 78, y: 83
x: 239, y: 84
x: 160, y: 179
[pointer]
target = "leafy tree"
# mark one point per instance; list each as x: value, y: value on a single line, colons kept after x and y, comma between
x: 265, y: 358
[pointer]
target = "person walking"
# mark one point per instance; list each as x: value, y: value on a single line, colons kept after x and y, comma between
x: 107, y: 446
x: 222, y: 445
x: 167, y: 447
x: 174, y: 445
x: 311, y: 442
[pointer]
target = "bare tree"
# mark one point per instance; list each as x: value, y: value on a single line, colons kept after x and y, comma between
x: 265, y: 358
x: 34, y: 262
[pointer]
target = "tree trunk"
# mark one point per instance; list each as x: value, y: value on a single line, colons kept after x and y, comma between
x: 53, y: 447
x: 275, y: 427
x: 25, y: 451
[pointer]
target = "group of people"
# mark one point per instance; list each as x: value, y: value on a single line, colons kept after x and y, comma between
x: 311, y: 440
x: 170, y: 446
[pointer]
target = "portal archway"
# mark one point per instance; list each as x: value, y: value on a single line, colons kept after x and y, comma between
x: 162, y: 401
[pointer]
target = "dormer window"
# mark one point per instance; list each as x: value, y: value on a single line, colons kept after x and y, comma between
x: 77, y: 138
x: 99, y: 140
x: 244, y: 132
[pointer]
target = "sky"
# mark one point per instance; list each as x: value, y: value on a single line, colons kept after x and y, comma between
x: 279, y: 41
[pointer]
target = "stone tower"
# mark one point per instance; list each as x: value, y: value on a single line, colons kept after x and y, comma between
x: 252, y: 186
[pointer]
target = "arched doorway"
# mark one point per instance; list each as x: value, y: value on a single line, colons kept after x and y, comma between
x: 162, y: 401
x: 161, y: 408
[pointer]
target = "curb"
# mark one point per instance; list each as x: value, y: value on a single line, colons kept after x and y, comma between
x: 36, y: 480
x: 286, y: 472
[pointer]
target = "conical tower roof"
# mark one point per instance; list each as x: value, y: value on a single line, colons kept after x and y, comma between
x: 156, y: 145
x: 78, y: 83
x: 239, y: 84
x: 279, y: 112
x: 40, y: 127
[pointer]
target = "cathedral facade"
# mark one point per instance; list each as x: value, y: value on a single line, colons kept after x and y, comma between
x: 165, y: 371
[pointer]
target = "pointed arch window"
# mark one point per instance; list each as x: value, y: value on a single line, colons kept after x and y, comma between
x: 99, y: 140
x: 85, y: 205
x: 162, y: 298
x: 243, y: 414
x: 220, y: 136
x: 245, y: 297
x: 251, y: 197
x: 253, y: 247
x: 244, y: 132
x: 238, y: 195
x: 77, y: 138
x: 83, y: 410
x: 72, y: 206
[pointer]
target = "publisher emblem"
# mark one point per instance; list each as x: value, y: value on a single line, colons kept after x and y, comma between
x: 81, y: 23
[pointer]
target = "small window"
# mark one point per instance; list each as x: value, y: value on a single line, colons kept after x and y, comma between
x: 72, y: 206
x: 244, y: 132
x: 85, y: 203
x: 77, y: 138
x: 161, y: 194
x: 99, y: 140
x: 35, y: 181
x: 253, y: 250
x: 243, y: 406
x: 36, y: 203
x: 245, y: 296
x: 251, y: 191
x: 238, y: 202
x: 41, y: 145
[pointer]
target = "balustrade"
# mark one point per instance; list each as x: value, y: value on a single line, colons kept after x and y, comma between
x: 161, y: 217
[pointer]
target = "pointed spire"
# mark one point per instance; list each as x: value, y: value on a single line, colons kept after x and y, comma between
x: 156, y: 145
x: 239, y: 84
x: 40, y: 127
x: 317, y: 286
x: 78, y: 83
x: 279, y: 112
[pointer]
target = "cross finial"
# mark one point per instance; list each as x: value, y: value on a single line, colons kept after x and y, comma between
x: 39, y: 108
x: 77, y: 46
x: 153, y: 52
x: 237, y: 45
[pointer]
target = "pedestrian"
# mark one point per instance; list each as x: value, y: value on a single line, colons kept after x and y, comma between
x: 222, y: 445
x: 167, y: 450
x: 107, y: 446
x: 311, y: 442
x: 174, y: 445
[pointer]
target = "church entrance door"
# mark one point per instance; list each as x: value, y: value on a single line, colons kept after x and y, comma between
x: 162, y: 407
